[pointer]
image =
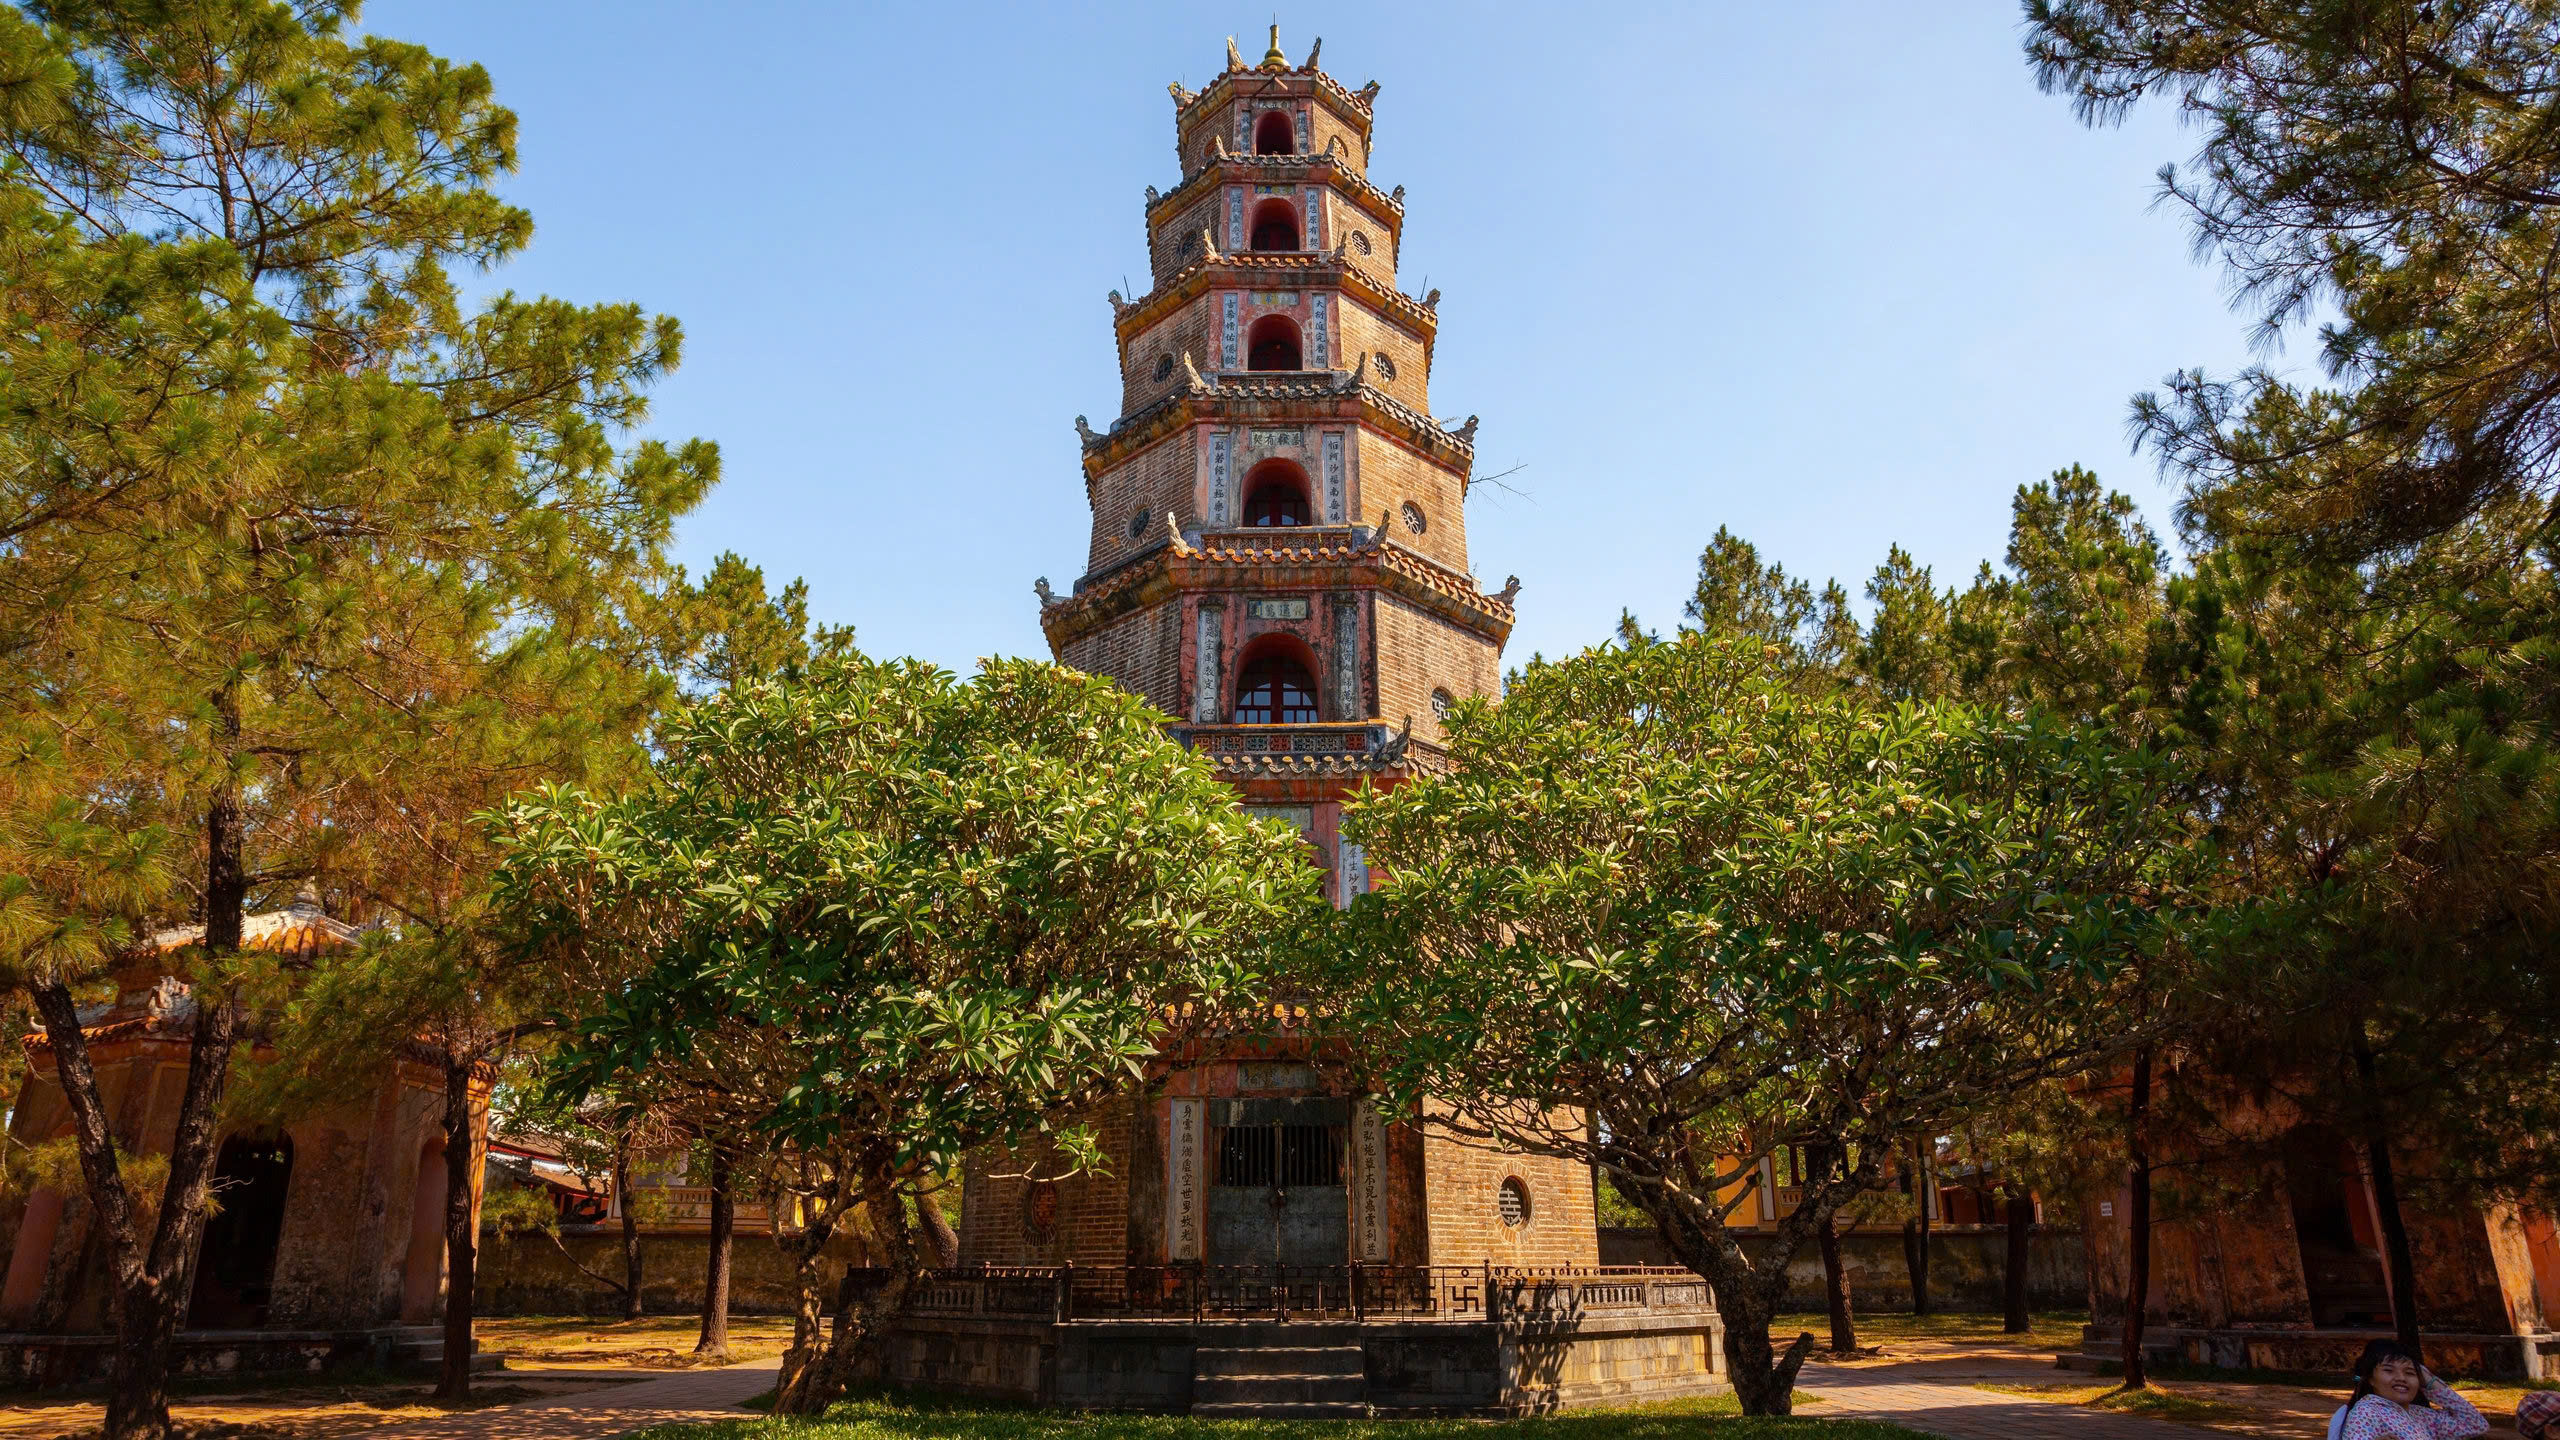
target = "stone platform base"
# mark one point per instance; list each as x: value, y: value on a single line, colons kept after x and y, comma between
x: 41, y: 1361
x: 2324, y: 1352
x: 1410, y: 1367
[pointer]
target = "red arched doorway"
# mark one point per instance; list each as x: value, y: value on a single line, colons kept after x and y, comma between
x: 1276, y: 684
x: 1275, y: 134
x: 27, y: 1260
x: 1275, y: 493
x: 422, y: 1276
x: 1272, y: 344
x: 1275, y: 225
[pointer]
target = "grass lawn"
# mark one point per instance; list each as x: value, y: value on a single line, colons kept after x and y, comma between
x: 901, y: 1418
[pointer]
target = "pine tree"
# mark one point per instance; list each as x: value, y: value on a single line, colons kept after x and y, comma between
x: 305, y: 558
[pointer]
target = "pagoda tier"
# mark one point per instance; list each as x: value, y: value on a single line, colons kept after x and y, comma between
x: 1278, y: 556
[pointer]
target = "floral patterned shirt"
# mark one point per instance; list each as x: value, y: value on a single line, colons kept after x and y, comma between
x: 2453, y: 1417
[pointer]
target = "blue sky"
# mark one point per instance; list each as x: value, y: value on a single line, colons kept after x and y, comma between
x: 1833, y: 274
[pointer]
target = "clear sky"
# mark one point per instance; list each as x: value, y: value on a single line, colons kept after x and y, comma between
x: 1833, y: 274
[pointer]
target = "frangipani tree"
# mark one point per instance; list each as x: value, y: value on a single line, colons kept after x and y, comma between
x: 888, y: 917
x: 1672, y: 908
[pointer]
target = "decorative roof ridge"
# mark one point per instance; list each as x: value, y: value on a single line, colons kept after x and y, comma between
x: 1363, y: 102
x: 1339, y: 384
x: 1128, y: 316
x: 1366, y: 543
x: 1340, y: 165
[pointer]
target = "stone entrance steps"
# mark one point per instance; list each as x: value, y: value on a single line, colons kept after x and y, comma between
x: 417, y: 1349
x: 1281, y: 1382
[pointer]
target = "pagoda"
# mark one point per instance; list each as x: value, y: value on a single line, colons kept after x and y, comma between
x: 1279, y: 546
x: 1278, y: 562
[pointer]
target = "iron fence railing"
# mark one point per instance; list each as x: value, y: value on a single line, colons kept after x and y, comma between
x: 1357, y: 1291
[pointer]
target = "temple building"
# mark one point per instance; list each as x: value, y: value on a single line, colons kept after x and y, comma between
x: 329, y: 1242
x: 2268, y: 1254
x: 1278, y: 561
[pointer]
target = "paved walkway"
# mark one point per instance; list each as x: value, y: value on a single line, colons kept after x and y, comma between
x: 606, y: 1411
x: 1938, y: 1396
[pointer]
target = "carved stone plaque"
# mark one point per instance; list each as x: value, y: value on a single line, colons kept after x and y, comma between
x: 1185, y: 1139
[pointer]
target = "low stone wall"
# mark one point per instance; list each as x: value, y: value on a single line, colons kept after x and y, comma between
x: 529, y: 1275
x: 2320, y: 1352
x: 1612, y: 1361
x: 1968, y: 1268
x: 44, y: 1361
x: 1003, y: 1359
x: 1421, y: 1367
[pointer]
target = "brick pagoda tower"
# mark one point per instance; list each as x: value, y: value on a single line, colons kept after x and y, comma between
x: 1279, y: 563
x: 1279, y: 552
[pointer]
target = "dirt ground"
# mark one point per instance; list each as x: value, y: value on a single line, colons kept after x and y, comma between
x: 1965, y: 1344
x: 660, y: 1342
x: 545, y: 1356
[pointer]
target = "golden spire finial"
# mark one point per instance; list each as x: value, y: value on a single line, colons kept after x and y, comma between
x: 1272, y: 59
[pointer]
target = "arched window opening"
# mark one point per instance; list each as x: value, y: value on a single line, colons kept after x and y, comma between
x: 1275, y: 690
x: 1272, y: 344
x: 236, y: 1266
x: 1275, y: 493
x: 422, y: 1277
x: 1275, y: 134
x: 1275, y: 225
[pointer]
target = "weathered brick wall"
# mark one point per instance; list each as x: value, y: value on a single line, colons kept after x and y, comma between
x: 1365, y: 331
x: 1176, y: 242
x: 1968, y: 1269
x: 1092, y: 1225
x: 343, y: 1246
x: 1353, y: 223
x: 1325, y: 126
x: 1143, y: 651
x: 1188, y: 329
x: 530, y: 1275
x: 1418, y: 653
x: 1162, y: 478
x: 1390, y: 475
x: 1461, y: 1183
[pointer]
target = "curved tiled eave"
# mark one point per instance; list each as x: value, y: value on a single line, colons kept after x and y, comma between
x: 1308, y: 399
x: 1264, y: 169
x: 1169, y: 572
x: 1344, y: 102
x: 1262, y: 269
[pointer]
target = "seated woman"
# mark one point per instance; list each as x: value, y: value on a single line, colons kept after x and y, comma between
x: 2397, y: 1399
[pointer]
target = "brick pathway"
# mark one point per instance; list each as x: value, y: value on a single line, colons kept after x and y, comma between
x: 1939, y: 1397
x: 606, y: 1411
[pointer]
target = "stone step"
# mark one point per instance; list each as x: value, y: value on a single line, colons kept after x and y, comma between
x: 1251, y: 1410
x: 1279, y: 1389
x: 1280, y: 1360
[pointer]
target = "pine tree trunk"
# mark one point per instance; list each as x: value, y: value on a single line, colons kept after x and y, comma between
x: 2400, y: 1262
x: 2022, y: 1215
x: 461, y: 1234
x: 714, y: 1342
x: 632, y: 1277
x: 2137, y: 1278
x: 1835, y: 1289
x: 150, y: 1289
